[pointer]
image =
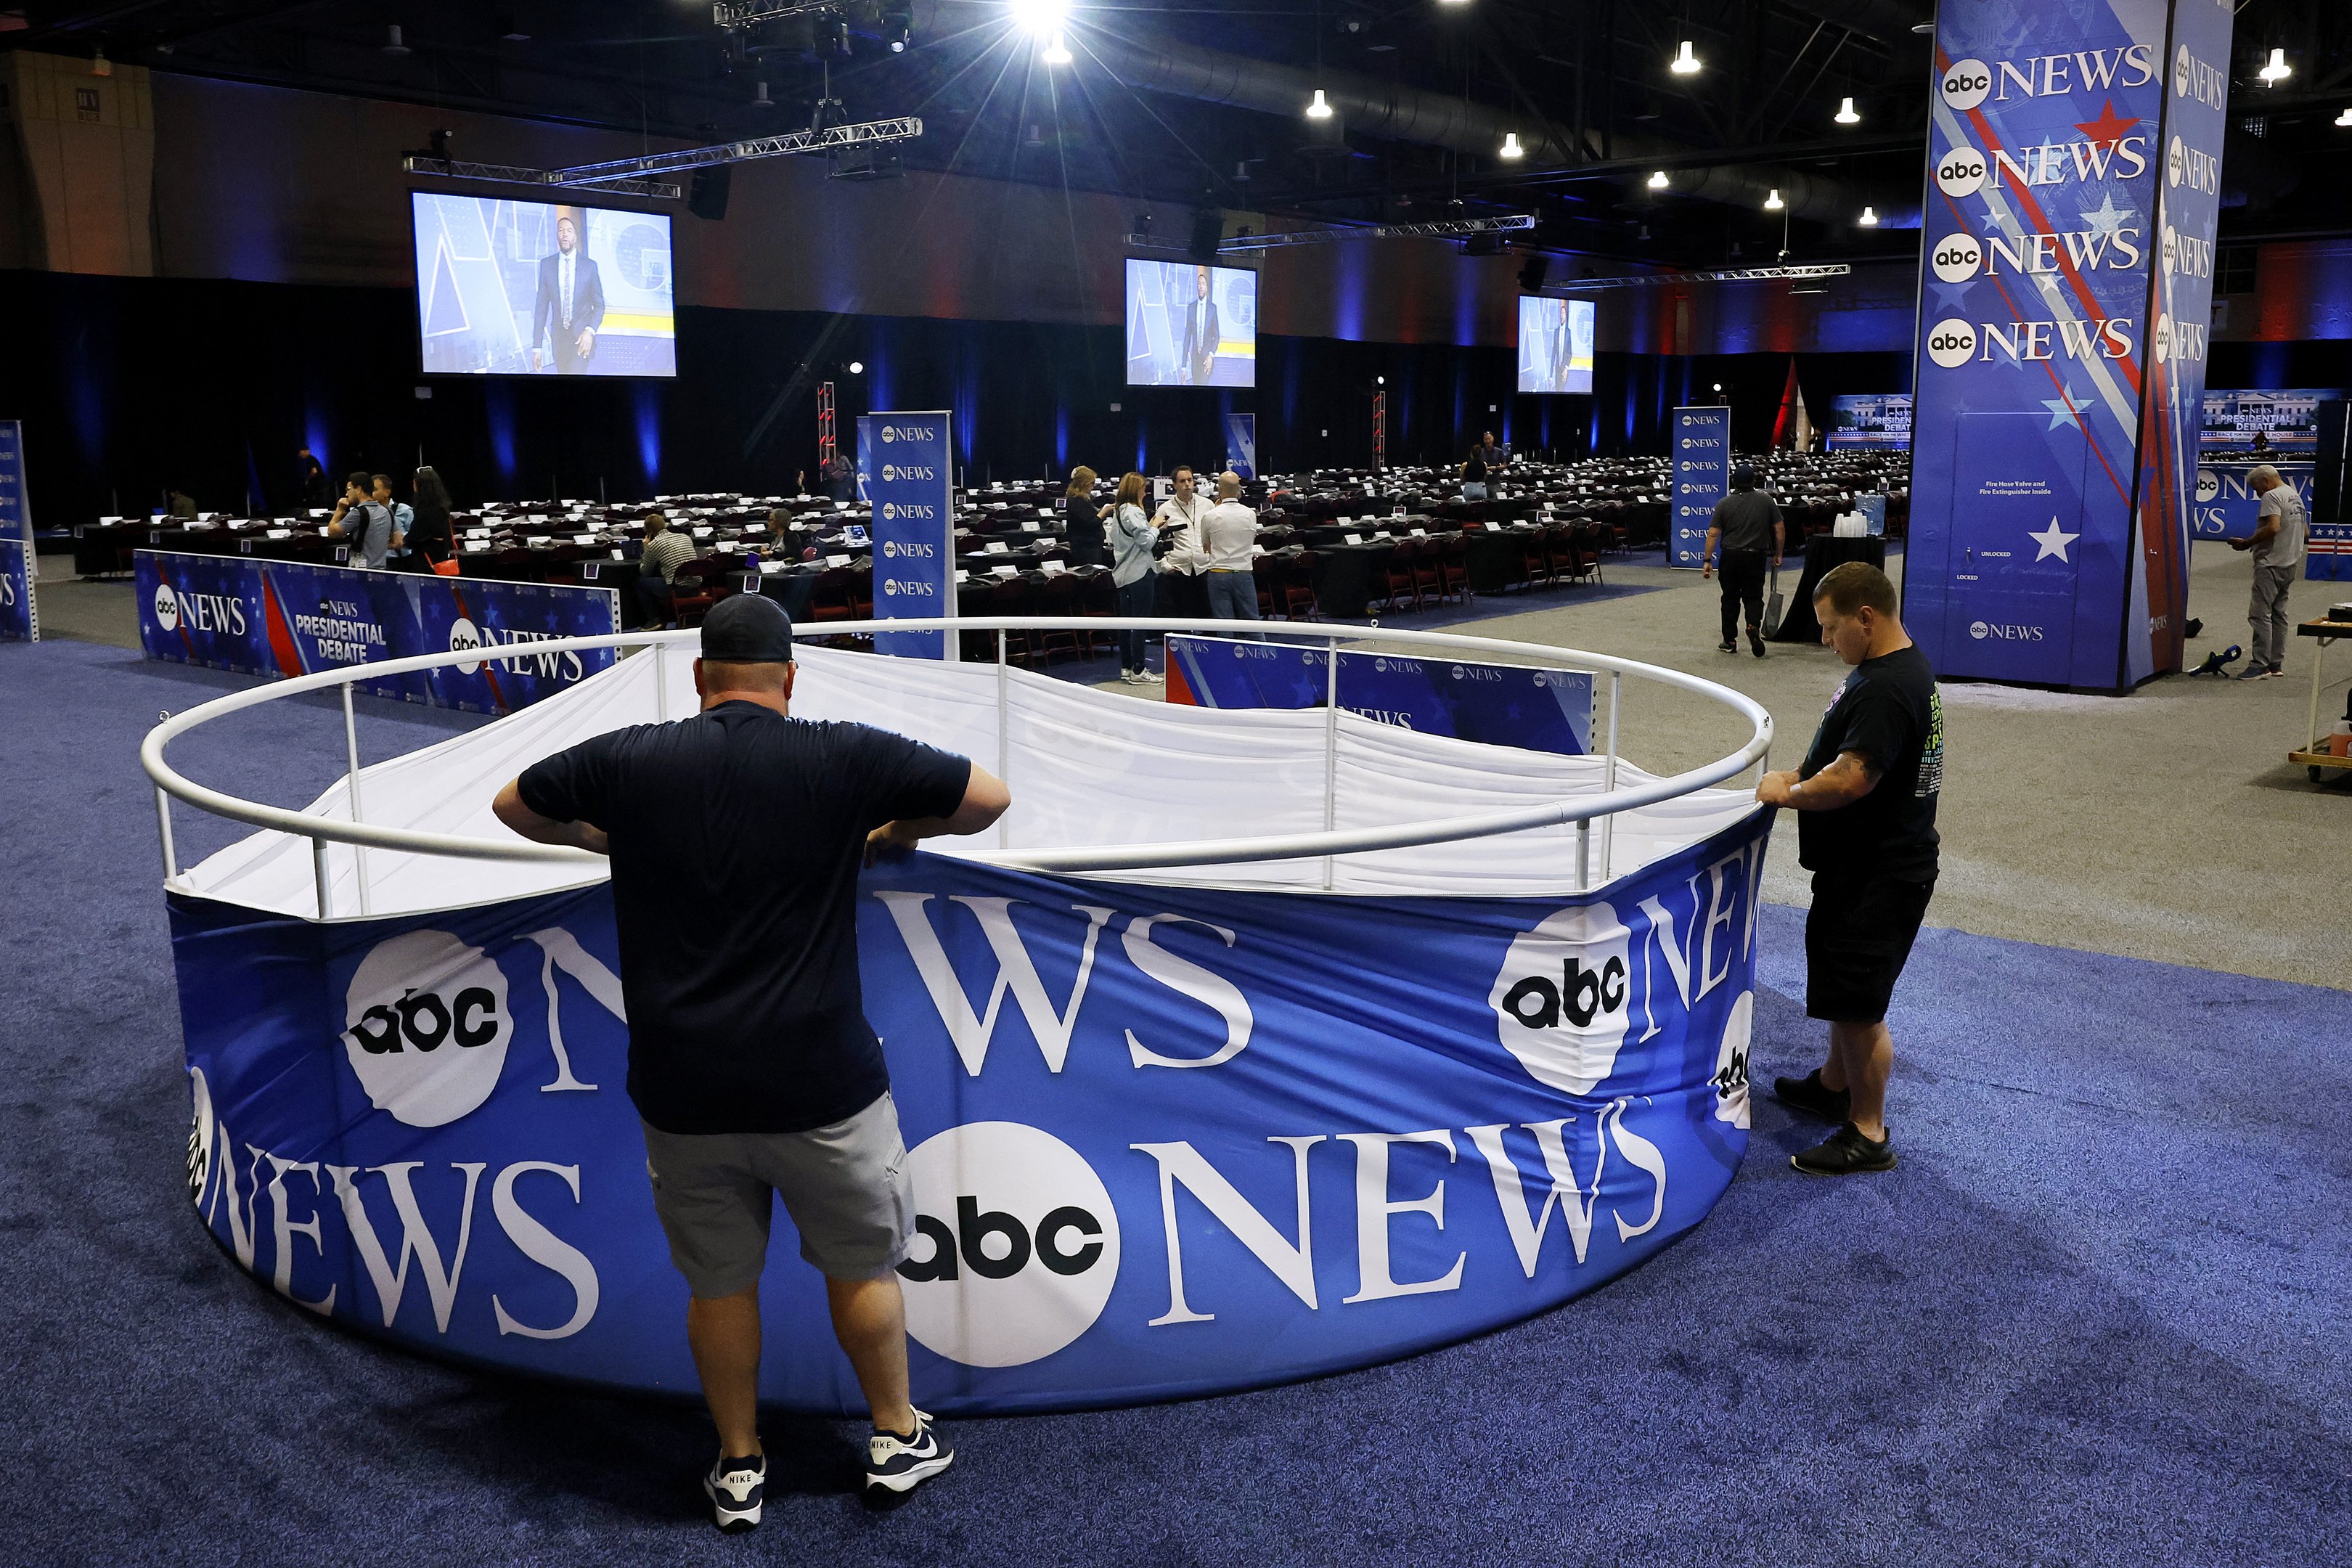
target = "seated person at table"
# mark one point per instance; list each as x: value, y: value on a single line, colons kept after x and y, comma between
x: 182, y: 505
x: 780, y: 533
x: 657, y: 569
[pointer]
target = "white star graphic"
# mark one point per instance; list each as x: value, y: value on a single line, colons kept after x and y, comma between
x: 2107, y: 218
x: 2053, y: 543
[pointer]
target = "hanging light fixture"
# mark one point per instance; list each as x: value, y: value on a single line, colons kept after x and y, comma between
x: 761, y: 99
x: 1845, y: 114
x: 1658, y: 180
x: 2345, y: 118
x: 1685, y: 62
x: 1773, y: 202
x: 394, y: 43
x: 2277, y: 71
x: 1057, y: 53
x: 1511, y: 148
x: 1321, y: 109
x: 1869, y: 216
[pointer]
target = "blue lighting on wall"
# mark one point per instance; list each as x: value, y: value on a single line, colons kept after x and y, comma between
x: 1348, y: 305
x: 967, y: 406
x: 878, y: 368
x: 648, y: 411
x: 498, y: 413
x: 1062, y: 438
x: 314, y: 433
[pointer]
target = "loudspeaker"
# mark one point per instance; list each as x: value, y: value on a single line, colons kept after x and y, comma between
x: 2332, y: 462
x: 1533, y: 272
x: 707, y: 197
x: 1208, y: 228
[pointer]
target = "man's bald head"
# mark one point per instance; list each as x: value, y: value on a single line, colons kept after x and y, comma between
x: 1229, y: 486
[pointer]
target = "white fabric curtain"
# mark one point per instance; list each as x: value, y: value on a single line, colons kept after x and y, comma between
x: 1085, y: 767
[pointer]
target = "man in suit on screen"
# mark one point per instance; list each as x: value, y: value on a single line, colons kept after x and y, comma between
x: 571, y: 308
x: 1559, y: 348
x: 1200, y: 331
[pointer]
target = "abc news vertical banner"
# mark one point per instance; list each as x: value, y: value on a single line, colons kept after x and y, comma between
x: 20, y: 617
x: 286, y: 618
x: 2172, y: 429
x: 1702, y: 477
x: 913, y: 493
x: 2047, y: 158
x: 1240, y: 443
x: 1163, y: 1142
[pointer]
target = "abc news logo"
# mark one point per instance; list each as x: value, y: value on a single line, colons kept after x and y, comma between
x: 2193, y: 79
x: 895, y: 471
x: 1952, y: 342
x: 2188, y: 255
x: 1996, y: 632
x: 2198, y: 170
x: 1690, y: 441
x: 911, y: 548
x: 1957, y: 257
x: 966, y: 1247
x: 218, y: 613
x: 892, y: 510
x: 410, y: 997
x: 893, y: 433
x: 420, y: 1021
x: 1579, y: 997
x: 1961, y: 172
x: 894, y: 587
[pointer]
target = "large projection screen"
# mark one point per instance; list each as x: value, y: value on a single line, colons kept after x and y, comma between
x: 1555, y: 344
x: 507, y: 287
x: 1190, y: 324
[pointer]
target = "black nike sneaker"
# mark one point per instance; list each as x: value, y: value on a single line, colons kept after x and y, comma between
x: 1806, y: 1095
x: 735, y: 1487
x: 902, y: 1464
x: 1846, y: 1152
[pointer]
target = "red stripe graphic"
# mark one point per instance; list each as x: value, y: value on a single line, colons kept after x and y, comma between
x: 282, y: 643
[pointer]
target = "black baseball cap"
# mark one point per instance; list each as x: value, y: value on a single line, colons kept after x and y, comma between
x: 747, y: 628
x: 1743, y: 477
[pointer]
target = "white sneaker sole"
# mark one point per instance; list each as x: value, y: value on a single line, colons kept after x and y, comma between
x: 728, y: 1517
x: 909, y: 1479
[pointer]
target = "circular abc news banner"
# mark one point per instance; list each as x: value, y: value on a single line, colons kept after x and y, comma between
x: 1968, y: 84
x: 1961, y: 172
x: 1952, y: 342
x: 1015, y: 1248
x: 426, y: 1027
x: 1957, y: 257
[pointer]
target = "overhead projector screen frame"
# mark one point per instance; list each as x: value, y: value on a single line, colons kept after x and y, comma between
x: 1158, y: 338
x: 1555, y: 347
x: 487, y: 303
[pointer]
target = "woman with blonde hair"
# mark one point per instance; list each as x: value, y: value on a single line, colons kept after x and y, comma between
x: 1131, y: 539
x: 1082, y: 520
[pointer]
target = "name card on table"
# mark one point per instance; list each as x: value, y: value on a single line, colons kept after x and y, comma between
x: 1354, y: 539
x: 1005, y: 571
x: 1051, y: 568
x: 538, y: 541
x: 583, y: 539
x: 1029, y: 526
x: 1493, y: 527
x: 1382, y: 533
x: 1421, y: 533
x: 962, y: 576
x: 320, y: 511
x: 1346, y: 520
x: 701, y: 531
x: 996, y: 547
x: 836, y: 560
x: 279, y: 534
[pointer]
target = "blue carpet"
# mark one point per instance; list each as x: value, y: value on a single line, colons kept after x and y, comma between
x: 2097, y: 1316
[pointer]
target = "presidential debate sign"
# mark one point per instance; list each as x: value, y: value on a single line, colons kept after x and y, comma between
x: 1164, y: 1142
x: 286, y: 618
x: 2066, y: 279
x: 1702, y: 477
x: 913, y: 491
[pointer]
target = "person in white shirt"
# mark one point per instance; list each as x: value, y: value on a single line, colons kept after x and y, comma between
x: 1230, y: 530
x: 1183, y: 511
x: 1131, y: 537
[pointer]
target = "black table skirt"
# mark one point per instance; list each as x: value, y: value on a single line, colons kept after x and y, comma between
x: 1822, y: 553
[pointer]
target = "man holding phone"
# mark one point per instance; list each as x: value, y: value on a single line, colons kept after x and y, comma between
x: 736, y: 839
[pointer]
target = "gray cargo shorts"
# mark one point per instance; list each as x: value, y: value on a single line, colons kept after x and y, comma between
x: 845, y: 1185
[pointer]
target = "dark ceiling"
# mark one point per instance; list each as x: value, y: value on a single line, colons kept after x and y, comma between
x: 1200, y: 103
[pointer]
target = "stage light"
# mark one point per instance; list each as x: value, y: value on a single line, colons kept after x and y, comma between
x: 1658, y: 180
x: 2277, y: 71
x: 1040, y: 17
x: 1511, y: 148
x: 1869, y: 218
x: 1773, y: 202
x: 1685, y: 62
x: 1845, y: 114
x: 393, y: 44
x: 2345, y: 118
x: 858, y: 367
x: 1057, y: 53
x: 1321, y: 109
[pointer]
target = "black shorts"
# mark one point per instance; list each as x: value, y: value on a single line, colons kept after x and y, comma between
x: 1856, y: 938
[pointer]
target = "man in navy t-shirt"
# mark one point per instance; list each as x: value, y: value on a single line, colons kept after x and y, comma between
x: 736, y: 837
x: 1866, y: 792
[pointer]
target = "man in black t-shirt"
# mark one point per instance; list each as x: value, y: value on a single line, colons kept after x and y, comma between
x: 736, y: 837
x: 1867, y: 794
x: 1747, y: 526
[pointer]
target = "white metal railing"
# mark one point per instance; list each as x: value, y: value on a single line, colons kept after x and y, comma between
x: 171, y: 784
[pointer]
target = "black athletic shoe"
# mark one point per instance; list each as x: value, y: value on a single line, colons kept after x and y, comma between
x: 1727, y: 646
x: 1846, y: 1153
x: 1808, y: 1095
x: 1755, y: 645
x: 902, y: 1464
x: 736, y: 1488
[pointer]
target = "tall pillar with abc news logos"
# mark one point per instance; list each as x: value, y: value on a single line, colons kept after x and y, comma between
x: 912, y: 492
x: 2066, y: 283
x: 1702, y: 477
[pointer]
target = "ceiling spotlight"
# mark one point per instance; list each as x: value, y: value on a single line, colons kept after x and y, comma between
x: 1658, y: 180
x: 1511, y: 148
x: 98, y: 64
x: 2277, y: 71
x: 1321, y: 109
x: 1845, y: 114
x: 761, y: 99
x: 1685, y: 63
x: 1869, y: 218
x: 393, y: 45
x: 1057, y: 53
x: 1379, y: 381
x: 2345, y: 118
x: 1773, y: 202
x: 858, y: 367
x: 1041, y: 18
